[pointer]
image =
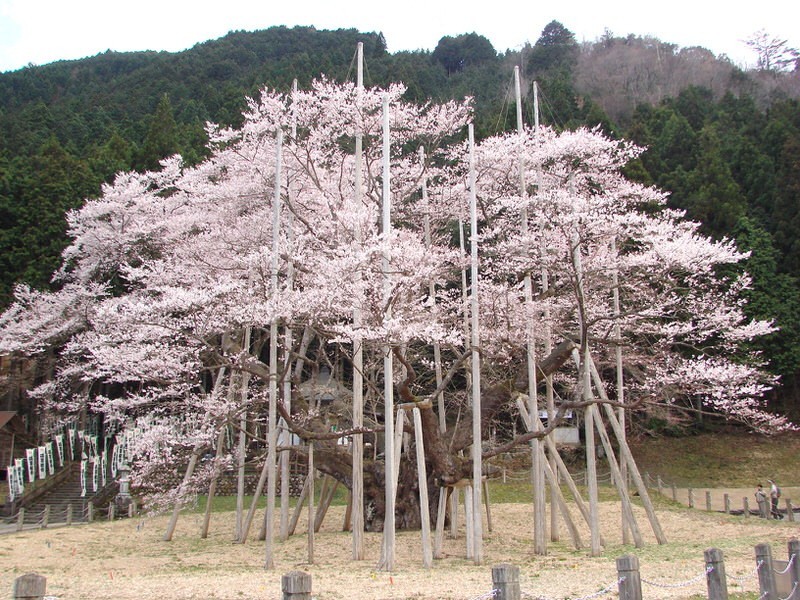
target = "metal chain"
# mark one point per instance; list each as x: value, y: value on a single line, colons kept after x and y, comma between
x: 686, y: 583
x: 791, y: 594
x: 485, y: 596
x: 744, y: 578
x: 788, y: 566
x: 597, y: 594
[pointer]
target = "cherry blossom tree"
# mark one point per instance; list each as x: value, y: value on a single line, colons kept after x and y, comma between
x: 175, y: 278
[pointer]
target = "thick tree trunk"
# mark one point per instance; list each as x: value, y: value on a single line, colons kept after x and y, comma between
x: 445, y: 466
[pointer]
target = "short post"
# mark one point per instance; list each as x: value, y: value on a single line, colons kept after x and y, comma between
x: 630, y: 581
x: 505, y: 582
x: 691, y: 498
x: 30, y: 587
x: 708, y: 501
x: 660, y: 486
x: 746, y: 507
x: 90, y: 512
x: 45, y: 516
x: 69, y: 514
x: 110, y: 512
x: 766, y: 574
x: 726, y: 498
x: 296, y: 585
x: 20, y: 519
x: 674, y: 493
x: 763, y: 509
x: 648, y: 482
x: 794, y: 563
x: 715, y: 575
x: 789, y: 509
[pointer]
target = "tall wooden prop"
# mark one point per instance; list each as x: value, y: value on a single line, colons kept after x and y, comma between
x: 287, y: 345
x: 357, y: 494
x: 269, y: 562
x: 387, y: 562
x: 241, y: 451
x: 477, y: 449
x: 539, y: 533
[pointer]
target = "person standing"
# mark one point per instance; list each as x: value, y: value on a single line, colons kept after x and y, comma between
x: 774, y: 494
x: 761, y: 501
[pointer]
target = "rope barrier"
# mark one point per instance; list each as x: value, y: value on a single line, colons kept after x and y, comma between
x: 485, y: 596
x: 743, y: 578
x: 791, y: 594
x: 611, y: 586
x: 788, y: 566
x: 686, y: 583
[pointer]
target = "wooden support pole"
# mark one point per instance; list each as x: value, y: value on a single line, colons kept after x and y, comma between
x: 766, y: 574
x: 311, y: 503
x: 487, y: 502
x: 296, y: 585
x: 111, y: 512
x: 438, y: 540
x: 90, y: 512
x: 626, y: 454
x: 324, y: 503
x: 173, y: 521
x: 422, y: 479
x: 628, y: 519
x: 715, y: 575
x: 630, y: 582
x: 212, y: 487
x: 299, y: 506
x: 31, y: 586
x: 505, y: 582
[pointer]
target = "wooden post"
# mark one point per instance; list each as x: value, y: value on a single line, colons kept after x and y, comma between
x: 438, y: 539
x: 715, y: 575
x: 660, y: 486
x: 708, y: 501
x: 90, y: 512
x: 298, y: 508
x: 20, y: 519
x: 69, y: 514
x: 296, y: 585
x: 427, y: 551
x: 311, y: 503
x: 45, y: 516
x: 746, y: 507
x: 691, y: 498
x: 674, y: 493
x: 789, y: 510
x: 630, y: 582
x: 766, y: 574
x: 111, y: 512
x: 726, y: 499
x: 505, y: 582
x: 794, y: 564
x: 31, y: 586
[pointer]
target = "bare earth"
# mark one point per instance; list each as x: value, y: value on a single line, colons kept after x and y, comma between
x: 126, y: 559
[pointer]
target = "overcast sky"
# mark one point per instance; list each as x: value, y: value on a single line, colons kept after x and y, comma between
x: 43, y: 31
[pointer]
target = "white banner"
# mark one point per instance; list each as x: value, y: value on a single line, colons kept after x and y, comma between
x: 51, y: 466
x: 19, y: 465
x: 60, y: 449
x: 12, y: 482
x: 95, y: 473
x: 71, y: 434
x: 30, y: 455
x: 103, y: 468
x: 42, y: 462
x: 83, y: 477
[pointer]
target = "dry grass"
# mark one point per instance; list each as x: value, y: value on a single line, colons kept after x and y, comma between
x: 127, y: 560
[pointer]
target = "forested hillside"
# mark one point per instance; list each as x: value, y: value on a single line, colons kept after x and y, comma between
x: 723, y: 141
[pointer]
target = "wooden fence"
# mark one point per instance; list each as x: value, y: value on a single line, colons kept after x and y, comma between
x: 777, y: 579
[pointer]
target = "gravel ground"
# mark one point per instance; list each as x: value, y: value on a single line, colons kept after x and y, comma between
x: 127, y: 559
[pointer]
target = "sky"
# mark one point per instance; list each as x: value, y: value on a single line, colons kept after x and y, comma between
x: 42, y: 31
